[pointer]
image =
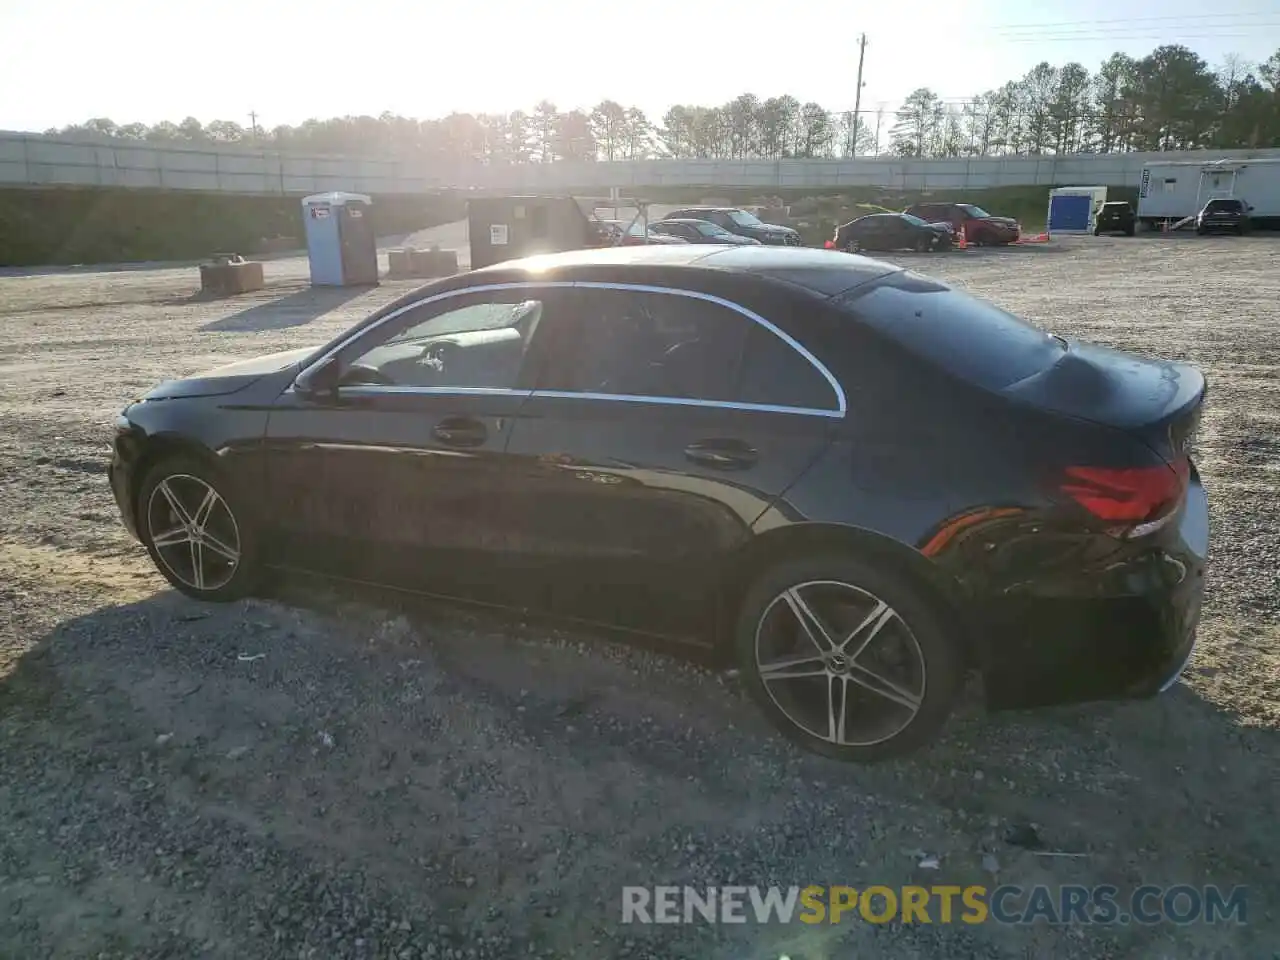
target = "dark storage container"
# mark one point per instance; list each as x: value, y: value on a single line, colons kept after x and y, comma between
x: 507, y: 228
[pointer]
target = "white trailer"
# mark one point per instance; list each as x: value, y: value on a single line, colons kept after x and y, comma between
x: 1172, y: 190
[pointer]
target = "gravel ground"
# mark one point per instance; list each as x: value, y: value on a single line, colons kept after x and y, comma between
x: 323, y: 774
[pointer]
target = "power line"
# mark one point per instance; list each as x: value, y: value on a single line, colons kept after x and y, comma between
x: 1135, y: 20
x: 1122, y: 37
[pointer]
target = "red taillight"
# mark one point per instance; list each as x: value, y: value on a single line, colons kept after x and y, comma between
x: 1128, y: 496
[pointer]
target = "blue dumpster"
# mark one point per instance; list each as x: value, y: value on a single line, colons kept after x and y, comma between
x: 1070, y: 213
x: 341, y: 246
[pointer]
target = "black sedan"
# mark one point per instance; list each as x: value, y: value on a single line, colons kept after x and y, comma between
x: 893, y: 231
x: 700, y: 231
x: 742, y: 223
x: 856, y: 481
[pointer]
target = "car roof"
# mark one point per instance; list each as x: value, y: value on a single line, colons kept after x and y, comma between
x: 708, y: 209
x: 825, y: 273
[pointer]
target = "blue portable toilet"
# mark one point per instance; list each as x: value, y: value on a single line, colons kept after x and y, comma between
x: 340, y: 243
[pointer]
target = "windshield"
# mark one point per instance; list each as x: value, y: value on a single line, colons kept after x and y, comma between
x: 967, y: 337
x: 711, y: 230
x: 744, y: 219
x: 913, y: 219
x: 973, y: 211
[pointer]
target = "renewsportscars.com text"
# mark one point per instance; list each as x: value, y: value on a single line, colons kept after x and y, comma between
x: 1007, y: 904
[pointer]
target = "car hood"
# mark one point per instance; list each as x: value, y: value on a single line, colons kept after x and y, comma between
x: 772, y: 229
x: 230, y: 377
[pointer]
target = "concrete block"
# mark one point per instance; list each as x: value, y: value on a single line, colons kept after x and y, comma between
x: 225, y: 278
x: 422, y: 264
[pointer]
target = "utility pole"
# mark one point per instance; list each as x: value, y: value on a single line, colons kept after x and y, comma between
x: 857, y: 96
x: 253, y: 119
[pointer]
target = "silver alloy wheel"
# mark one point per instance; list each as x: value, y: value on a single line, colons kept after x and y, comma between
x: 840, y: 663
x: 198, y: 539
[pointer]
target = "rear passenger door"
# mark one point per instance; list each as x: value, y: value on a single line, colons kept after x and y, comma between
x: 664, y: 423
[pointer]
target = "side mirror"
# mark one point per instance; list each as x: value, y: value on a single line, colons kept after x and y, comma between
x: 320, y: 381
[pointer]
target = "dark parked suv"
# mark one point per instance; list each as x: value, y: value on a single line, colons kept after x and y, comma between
x: 742, y: 223
x: 1115, y: 217
x: 1224, y: 214
x: 978, y: 226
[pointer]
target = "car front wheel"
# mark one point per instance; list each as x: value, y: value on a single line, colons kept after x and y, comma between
x: 197, y: 532
x: 846, y: 659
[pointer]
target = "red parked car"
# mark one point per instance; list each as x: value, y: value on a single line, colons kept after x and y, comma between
x: 979, y: 226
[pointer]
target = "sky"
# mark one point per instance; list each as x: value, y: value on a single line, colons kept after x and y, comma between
x: 288, y: 60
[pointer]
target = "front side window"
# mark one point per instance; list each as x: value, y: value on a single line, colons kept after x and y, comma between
x: 473, y: 341
x: 640, y: 344
x: 711, y: 230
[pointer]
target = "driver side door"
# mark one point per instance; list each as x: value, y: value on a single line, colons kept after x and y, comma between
x: 397, y: 476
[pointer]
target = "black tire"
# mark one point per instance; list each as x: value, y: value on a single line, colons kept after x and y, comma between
x: 853, y: 246
x: 188, y: 479
x: 915, y: 626
x: 922, y: 244
x: 1130, y: 232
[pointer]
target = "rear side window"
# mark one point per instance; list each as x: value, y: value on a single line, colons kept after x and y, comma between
x: 641, y: 344
x: 967, y: 337
x: 776, y: 374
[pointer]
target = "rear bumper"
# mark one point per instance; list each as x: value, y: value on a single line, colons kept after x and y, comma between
x: 1224, y: 226
x: 1123, y: 631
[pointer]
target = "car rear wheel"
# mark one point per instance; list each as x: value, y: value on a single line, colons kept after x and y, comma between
x: 845, y: 659
x: 853, y: 246
x: 196, y: 530
x: 923, y: 245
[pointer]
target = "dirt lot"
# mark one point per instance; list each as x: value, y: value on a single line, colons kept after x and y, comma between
x: 322, y: 775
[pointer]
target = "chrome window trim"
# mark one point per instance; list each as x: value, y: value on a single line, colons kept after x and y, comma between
x: 689, y: 402
x: 818, y: 365
x: 379, y: 389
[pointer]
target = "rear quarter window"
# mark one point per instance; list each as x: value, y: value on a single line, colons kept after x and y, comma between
x: 952, y: 330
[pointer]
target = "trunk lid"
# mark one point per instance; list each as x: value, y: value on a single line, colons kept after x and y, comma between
x: 1159, y: 401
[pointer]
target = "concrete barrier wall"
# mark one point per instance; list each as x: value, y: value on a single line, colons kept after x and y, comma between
x: 37, y: 161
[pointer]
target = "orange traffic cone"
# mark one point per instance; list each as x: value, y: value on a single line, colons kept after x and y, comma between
x: 961, y: 242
